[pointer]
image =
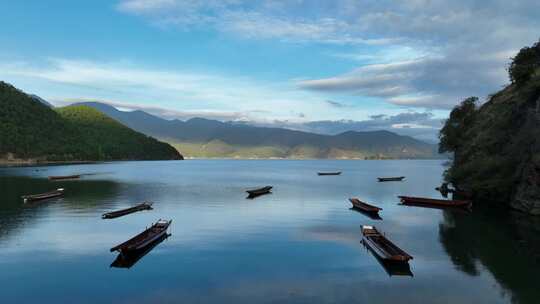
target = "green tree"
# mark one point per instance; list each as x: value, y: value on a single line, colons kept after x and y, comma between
x: 524, y: 65
x: 452, y: 135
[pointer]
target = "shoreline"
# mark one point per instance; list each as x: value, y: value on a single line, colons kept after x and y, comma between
x: 34, y: 162
x: 292, y: 158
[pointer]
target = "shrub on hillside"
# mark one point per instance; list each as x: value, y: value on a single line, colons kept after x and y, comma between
x: 524, y: 65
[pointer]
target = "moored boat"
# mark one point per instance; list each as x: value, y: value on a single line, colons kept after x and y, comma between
x: 259, y: 191
x: 329, y: 173
x: 62, y: 177
x: 127, y: 260
x: 358, y: 204
x: 43, y: 196
x: 122, y: 212
x: 391, y: 179
x: 156, y: 231
x: 393, y: 268
x: 431, y: 202
x: 382, y: 247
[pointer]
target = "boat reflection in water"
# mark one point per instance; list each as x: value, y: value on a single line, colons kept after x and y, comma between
x: 393, y: 259
x: 130, y: 258
x: 371, y: 215
x: 392, y: 268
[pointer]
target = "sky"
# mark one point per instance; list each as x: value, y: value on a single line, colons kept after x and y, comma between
x: 326, y: 66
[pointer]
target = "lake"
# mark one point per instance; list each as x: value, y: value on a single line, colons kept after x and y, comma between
x: 300, y: 244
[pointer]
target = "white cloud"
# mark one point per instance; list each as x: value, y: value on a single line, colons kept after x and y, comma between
x: 182, y: 92
x: 421, y: 125
x: 437, y: 52
x: 250, y: 19
x: 145, y: 5
x: 432, y: 82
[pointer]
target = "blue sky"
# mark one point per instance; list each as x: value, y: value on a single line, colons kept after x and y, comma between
x: 268, y: 62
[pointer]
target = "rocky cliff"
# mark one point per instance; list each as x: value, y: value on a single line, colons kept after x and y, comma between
x: 496, y: 146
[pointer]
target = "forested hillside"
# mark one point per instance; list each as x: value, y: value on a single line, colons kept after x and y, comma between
x: 30, y: 129
x: 496, y: 146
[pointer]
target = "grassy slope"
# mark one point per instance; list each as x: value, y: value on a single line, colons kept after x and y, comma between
x: 250, y: 142
x: 220, y: 149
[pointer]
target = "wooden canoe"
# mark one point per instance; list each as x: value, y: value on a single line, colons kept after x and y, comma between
x: 382, y: 247
x: 358, y: 204
x: 122, y: 212
x: 141, y: 240
x: 259, y: 191
x: 431, y: 202
x: 329, y: 173
x: 128, y: 259
x: 43, y: 196
x: 61, y: 177
x: 393, y: 268
x: 391, y: 179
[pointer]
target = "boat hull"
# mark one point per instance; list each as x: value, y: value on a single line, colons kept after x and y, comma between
x: 148, y: 241
x: 328, y: 173
x: 428, y: 202
x: 128, y: 259
x: 143, y: 239
x: 392, y: 268
x: 382, y: 247
x: 391, y: 179
x: 368, y: 242
x: 119, y: 213
x: 64, y: 177
x: 357, y: 204
x: 257, y: 192
x: 43, y: 196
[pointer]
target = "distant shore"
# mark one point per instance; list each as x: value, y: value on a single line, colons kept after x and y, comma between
x: 16, y: 162
x: 302, y: 158
x: 36, y: 162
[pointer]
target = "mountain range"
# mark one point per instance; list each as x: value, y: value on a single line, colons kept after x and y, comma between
x: 199, y: 137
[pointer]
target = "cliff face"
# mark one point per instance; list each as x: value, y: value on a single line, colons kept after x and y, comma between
x: 496, y: 146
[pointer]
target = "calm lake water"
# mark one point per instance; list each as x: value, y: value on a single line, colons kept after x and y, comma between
x: 300, y: 244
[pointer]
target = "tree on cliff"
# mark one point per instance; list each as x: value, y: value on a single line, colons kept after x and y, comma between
x: 524, y: 65
x: 462, y: 116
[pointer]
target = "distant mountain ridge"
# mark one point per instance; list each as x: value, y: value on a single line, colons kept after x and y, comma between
x: 32, y: 131
x: 200, y: 137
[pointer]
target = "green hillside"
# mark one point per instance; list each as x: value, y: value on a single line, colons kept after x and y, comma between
x: 220, y: 149
x: 31, y: 130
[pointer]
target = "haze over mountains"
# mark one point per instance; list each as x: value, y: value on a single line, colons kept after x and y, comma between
x: 199, y: 137
x: 420, y: 125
